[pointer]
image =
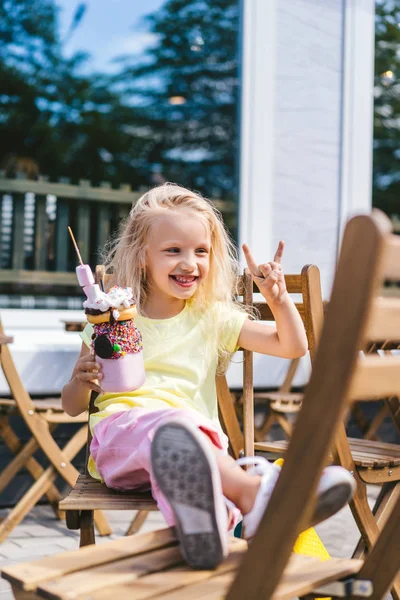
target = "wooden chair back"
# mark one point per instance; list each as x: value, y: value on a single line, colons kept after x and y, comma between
x: 355, y: 314
x: 307, y: 284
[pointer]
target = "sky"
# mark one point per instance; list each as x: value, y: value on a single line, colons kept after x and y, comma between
x: 109, y: 28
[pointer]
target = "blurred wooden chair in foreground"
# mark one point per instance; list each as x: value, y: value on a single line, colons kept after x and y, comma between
x: 150, y: 565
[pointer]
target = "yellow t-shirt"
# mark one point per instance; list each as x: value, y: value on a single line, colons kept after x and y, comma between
x: 180, y: 358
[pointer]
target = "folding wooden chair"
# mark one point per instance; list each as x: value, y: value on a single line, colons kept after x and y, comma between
x: 311, y: 309
x: 150, y: 566
x: 284, y: 404
x: 389, y: 407
x: 41, y: 417
x: 371, y: 462
x: 89, y: 495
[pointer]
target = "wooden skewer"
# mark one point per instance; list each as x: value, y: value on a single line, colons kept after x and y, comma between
x: 76, y: 245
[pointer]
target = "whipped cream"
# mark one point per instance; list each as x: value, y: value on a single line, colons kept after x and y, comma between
x: 116, y: 298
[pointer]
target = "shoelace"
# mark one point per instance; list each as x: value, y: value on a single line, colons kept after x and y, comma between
x: 260, y: 464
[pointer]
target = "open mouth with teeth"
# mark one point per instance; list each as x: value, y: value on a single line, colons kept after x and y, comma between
x: 184, y: 280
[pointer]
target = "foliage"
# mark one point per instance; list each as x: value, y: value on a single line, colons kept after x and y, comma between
x: 386, y: 174
x: 122, y: 128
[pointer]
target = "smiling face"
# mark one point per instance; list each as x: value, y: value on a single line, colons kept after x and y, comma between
x: 177, y: 257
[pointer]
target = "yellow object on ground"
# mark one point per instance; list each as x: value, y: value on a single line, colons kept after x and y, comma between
x: 308, y: 543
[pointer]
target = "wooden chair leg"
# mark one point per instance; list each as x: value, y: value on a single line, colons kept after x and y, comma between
x: 137, y: 522
x: 385, y: 503
x: 23, y: 459
x: 261, y: 432
x: 383, y: 560
x: 101, y: 523
x: 359, y: 418
x: 284, y: 423
x: 87, y: 536
x: 363, y: 517
x: 43, y: 484
x: 388, y: 496
x: 371, y: 433
x: 28, y: 501
x: 73, y: 519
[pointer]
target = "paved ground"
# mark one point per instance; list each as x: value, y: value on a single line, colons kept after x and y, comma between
x: 41, y: 535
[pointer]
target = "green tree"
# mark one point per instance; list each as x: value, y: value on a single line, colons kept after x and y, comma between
x: 188, y: 84
x: 169, y: 114
x: 53, y: 119
x: 386, y: 171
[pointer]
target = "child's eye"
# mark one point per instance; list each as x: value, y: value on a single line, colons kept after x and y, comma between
x: 173, y: 250
x: 202, y: 250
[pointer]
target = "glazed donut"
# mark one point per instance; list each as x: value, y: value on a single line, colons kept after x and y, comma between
x: 124, y: 315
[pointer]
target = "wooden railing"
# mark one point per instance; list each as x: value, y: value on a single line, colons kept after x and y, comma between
x: 35, y: 250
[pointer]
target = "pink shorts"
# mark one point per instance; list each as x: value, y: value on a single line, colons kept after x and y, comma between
x: 121, y: 446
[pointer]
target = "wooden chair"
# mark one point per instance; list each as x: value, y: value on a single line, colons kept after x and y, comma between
x: 41, y: 418
x: 89, y: 495
x: 280, y: 405
x: 284, y: 404
x: 150, y: 565
x: 308, y: 285
x: 371, y: 462
x: 389, y: 407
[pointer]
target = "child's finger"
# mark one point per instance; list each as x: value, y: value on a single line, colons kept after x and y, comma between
x: 279, y: 252
x: 265, y: 270
x: 275, y: 266
x: 95, y: 387
x: 88, y: 363
x: 86, y: 376
x: 251, y: 263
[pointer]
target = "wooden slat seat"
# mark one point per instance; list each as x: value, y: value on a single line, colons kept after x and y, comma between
x: 45, y: 407
x: 378, y: 455
x: 285, y: 403
x: 105, y: 498
x: 119, y: 569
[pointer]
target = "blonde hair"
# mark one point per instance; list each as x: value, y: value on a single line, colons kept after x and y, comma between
x: 127, y: 255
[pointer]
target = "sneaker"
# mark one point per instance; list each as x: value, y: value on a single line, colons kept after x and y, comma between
x: 186, y: 471
x: 335, y: 488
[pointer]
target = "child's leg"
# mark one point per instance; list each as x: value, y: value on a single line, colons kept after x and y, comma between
x: 251, y: 491
x: 184, y: 470
x: 237, y: 485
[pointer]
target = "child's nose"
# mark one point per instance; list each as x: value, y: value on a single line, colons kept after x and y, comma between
x: 188, y: 263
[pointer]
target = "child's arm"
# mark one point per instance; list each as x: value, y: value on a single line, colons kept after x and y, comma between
x: 75, y: 395
x: 288, y: 339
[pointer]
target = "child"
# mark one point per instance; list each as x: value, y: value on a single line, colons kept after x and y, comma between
x: 177, y: 257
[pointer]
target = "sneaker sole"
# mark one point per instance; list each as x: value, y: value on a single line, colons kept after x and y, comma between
x: 330, y: 502
x: 183, y: 467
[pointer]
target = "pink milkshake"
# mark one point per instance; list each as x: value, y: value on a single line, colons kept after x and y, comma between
x: 116, y: 340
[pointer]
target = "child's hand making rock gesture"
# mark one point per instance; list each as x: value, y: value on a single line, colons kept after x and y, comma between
x: 268, y: 277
